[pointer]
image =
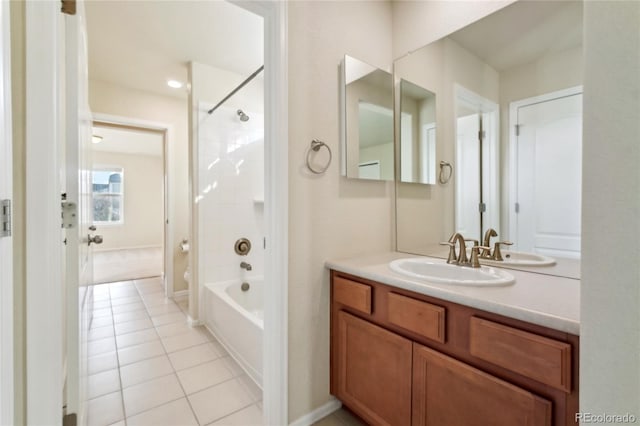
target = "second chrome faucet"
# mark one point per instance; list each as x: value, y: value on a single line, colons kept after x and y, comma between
x: 460, y: 257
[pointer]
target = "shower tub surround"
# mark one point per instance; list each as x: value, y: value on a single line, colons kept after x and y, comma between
x: 235, y: 317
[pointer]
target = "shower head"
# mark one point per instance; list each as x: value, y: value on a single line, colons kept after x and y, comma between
x: 242, y: 115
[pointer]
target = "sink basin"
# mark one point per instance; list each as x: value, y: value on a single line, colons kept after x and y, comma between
x: 516, y: 258
x: 445, y: 273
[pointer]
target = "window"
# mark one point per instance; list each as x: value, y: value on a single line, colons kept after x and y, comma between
x: 108, y: 197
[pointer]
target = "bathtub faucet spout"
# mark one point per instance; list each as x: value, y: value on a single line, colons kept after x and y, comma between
x: 245, y: 265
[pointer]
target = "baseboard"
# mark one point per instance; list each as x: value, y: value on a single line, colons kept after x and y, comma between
x: 318, y: 414
x: 194, y: 323
x: 103, y: 250
x: 180, y: 294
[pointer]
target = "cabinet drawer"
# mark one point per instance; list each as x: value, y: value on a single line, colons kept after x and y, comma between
x: 417, y: 316
x: 352, y: 294
x: 540, y: 358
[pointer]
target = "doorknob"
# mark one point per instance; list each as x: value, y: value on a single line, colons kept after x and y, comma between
x: 92, y: 228
x: 96, y: 239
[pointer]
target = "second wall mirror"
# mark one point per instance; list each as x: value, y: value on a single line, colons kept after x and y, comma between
x: 367, y: 100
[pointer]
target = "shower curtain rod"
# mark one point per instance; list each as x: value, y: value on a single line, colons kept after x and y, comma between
x: 233, y: 92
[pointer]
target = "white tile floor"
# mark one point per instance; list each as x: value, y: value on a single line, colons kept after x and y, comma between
x: 148, y: 367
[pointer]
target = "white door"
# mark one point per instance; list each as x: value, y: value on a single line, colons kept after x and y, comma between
x: 549, y: 173
x: 468, y: 176
x: 6, y: 241
x: 79, y: 271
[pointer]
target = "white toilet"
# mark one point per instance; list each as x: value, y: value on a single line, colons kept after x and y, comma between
x: 184, y: 248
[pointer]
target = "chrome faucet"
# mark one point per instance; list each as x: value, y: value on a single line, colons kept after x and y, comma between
x: 245, y: 265
x: 487, y: 242
x: 486, y: 252
x: 460, y: 258
x: 462, y: 250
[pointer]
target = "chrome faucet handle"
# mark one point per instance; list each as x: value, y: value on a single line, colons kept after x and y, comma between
x: 452, y: 251
x: 475, y: 250
x: 497, y: 254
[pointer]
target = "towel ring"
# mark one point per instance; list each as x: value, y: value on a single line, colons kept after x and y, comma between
x: 315, y: 147
x: 442, y: 177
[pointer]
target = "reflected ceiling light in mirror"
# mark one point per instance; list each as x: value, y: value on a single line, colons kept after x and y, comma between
x: 175, y: 84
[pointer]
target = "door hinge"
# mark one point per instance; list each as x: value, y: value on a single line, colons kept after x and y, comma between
x: 482, y: 207
x: 68, y: 7
x: 481, y: 135
x: 69, y: 214
x: 517, y: 126
x: 517, y: 207
x: 70, y: 419
x: 5, y: 218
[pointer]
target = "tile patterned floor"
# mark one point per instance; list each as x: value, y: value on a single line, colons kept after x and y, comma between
x: 148, y: 367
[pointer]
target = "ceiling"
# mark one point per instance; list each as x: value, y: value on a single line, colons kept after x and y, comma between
x: 523, y: 31
x: 142, y: 44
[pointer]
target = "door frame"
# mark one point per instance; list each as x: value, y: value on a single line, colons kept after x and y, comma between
x: 276, y: 209
x: 513, y: 152
x: 168, y: 229
x: 6, y: 243
x: 44, y: 29
x: 44, y: 289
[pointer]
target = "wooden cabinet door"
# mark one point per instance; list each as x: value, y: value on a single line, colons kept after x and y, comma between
x: 374, y: 372
x: 447, y: 392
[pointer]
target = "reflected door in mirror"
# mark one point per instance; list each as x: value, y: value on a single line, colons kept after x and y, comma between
x: 547, y: 150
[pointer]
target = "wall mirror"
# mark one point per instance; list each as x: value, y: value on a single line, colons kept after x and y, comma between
x: 417, y: 134
x: 367, y: 100
x: 509, y: 119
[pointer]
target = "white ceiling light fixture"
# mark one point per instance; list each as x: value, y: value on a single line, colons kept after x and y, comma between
x: 96, y: 139
x: 175, y: 84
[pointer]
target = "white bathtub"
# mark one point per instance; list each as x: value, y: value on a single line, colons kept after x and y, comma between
x: 235, y: 318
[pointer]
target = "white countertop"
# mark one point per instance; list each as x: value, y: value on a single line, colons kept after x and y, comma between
x: 545, y: 300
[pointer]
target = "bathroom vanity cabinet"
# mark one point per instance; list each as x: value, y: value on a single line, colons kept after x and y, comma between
x: 404, y: 358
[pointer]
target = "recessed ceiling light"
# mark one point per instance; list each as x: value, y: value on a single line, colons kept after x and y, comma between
x: 96, y: 139
x: 175, y: 84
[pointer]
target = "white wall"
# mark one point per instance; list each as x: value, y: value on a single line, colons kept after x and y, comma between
x: 143, y: 181
x: 329, y: 216
x: 610, y: 324
x: 107, y: 98
x: 384, y: 154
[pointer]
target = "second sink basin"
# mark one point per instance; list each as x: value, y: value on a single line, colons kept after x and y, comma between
x: 445, y: 273
x: 516, y: 258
